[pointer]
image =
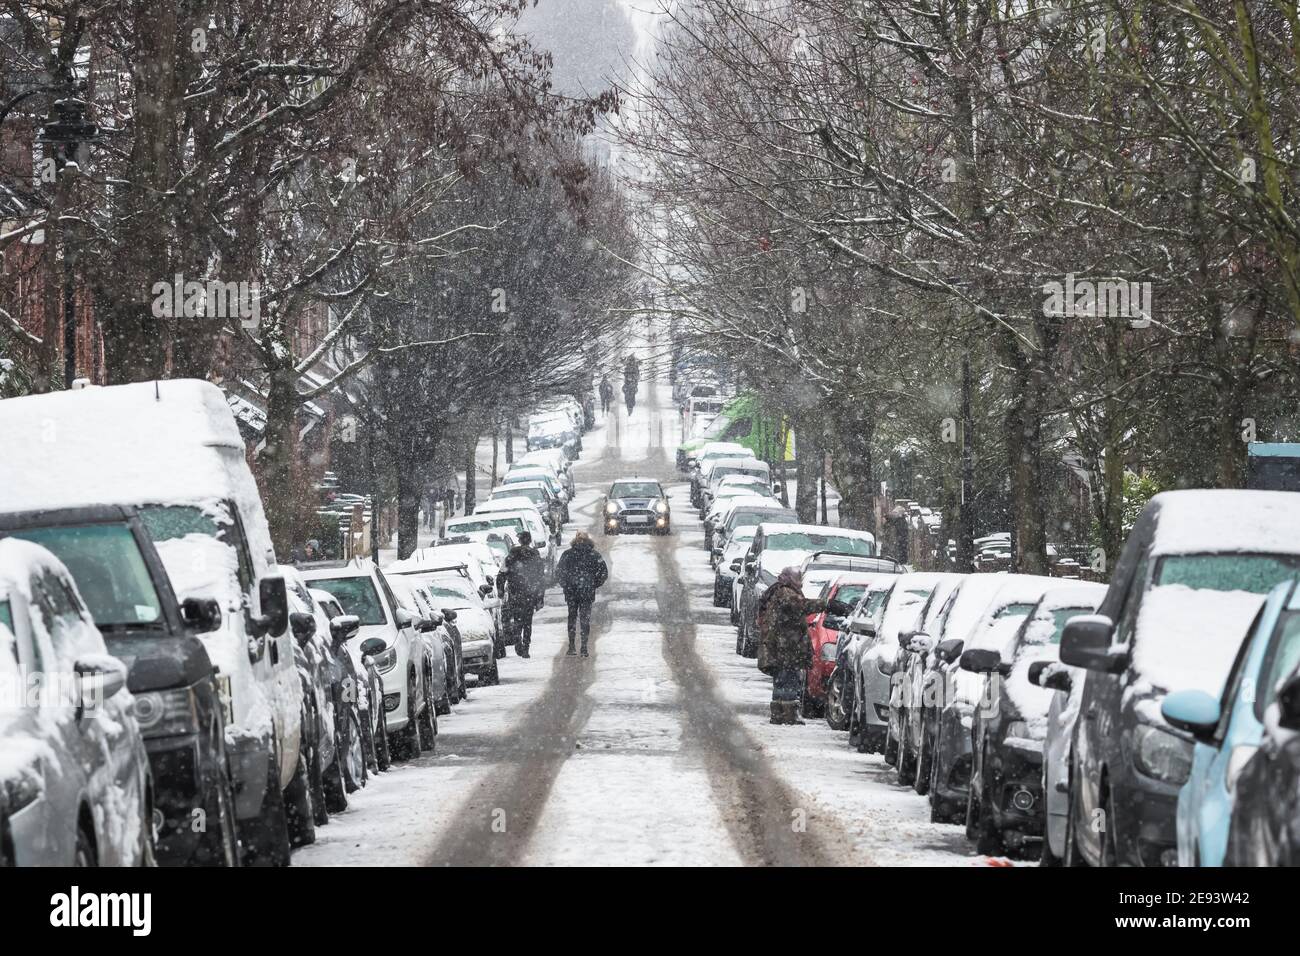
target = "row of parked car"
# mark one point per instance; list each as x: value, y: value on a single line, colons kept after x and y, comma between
x: 1151, y: 721
x: 169, y: 692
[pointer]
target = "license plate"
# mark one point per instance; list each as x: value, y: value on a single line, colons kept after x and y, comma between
x: 637, y: 519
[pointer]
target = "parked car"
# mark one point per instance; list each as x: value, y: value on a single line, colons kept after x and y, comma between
x: 519, y: 474
x: 178, y: 706
x: 74, y: 776
x: 362, y: 684
x: 707, y: 453
x: 1228, y: 731
x: 1005, y: 806
x: 824, y: 631
x: 871, y: 667
x: 1265, y: 827
x: 540, y: 495
x: 636, y: 504
x: 778, y: 546
x: 858, y: 626
x: 714, y: 471
x: 388, y: 635
x: 188, y: 477
x: 746, y: 513
x: 734, y: 490
x: 457, y: 598
x: 1191, y: 577
x: 493, y: 521
x: 958, y: 692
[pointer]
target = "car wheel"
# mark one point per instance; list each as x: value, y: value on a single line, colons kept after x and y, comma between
x: 310, y: 746
x: 264, y: 839
x: 924, y: 760
x: 719, y: 593
x: 299, y: 812
x: 834, y: 708
x: 383, y: 752
x: 906, y: 764
x: 429, y: 720
x: 353, y: 757
x: 85, y: 854
x: 492, y: 677
x: 740, y: 641
x: 219, y: 845
x: 406, y: 743
x: 891, y: 746
x: 334, y: 784
x: 1109, y: 842
x: 1072, y: 855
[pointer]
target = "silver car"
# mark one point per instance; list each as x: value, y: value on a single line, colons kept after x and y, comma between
x: 74, y: 775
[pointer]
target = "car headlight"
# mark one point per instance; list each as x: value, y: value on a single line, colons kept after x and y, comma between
x: 661, y: 506
x: 1017, y: 728
x: 385, y: 660
x: 1162, y: 755
x: 168, y: 712
x: 829, y: 651
x: 611, y: 509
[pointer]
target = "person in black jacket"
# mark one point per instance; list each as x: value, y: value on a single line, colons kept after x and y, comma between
x: 522, y: 582
x: 581, y: 572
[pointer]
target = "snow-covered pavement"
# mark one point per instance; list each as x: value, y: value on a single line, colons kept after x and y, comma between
x: 656, y: 750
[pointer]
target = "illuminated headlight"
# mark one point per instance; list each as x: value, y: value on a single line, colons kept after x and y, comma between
x: 385, y: 660
x: 829, y: 650
x: 611, y: 508
x: 661, y: 506
x: 1161, y: 755
x: 169, y: 712
x: 967, y: 721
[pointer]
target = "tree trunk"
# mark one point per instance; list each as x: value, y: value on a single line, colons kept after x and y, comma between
x: 276, y: 459
x: 963, y: 506
x: 852, y: 470
x: 510, y: 439
x: 1024, y: 464
x: 806, y: 472
x: 409, y: 488
x: 470, y: 491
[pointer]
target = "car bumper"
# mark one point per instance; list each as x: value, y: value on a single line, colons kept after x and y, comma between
x: 876, y: 689
x: 478, y: 656
x: 621, y: 524
x: 1146, y: 814
x: 1015, y: 778
x: 249, y: 773
x: 182, y: 781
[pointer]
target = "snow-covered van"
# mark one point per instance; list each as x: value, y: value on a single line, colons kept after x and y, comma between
x: 171, y: 450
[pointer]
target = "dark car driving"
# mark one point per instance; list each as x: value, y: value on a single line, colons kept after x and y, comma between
x: 637, y: 504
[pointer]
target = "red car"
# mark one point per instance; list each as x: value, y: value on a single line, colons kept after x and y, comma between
x: 847, y: 587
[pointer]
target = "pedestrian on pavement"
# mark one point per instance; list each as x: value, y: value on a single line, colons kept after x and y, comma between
x: 522, y: 583
x: 785, y: 650
x: 606, y: 394
x: 580, y: 572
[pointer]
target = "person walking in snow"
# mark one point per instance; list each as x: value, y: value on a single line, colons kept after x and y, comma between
x: 785, y: 650
x: 606, y: 394
x: 580, y: 572
x: 522, y: 582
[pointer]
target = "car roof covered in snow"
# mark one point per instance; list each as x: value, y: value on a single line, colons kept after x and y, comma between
x: 774, y: 527
x: 1213, y: 520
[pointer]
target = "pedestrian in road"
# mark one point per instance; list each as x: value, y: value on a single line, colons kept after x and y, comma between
x: 606, y: 394
x: 580, y: 572
x: 522, y: 583
x: 629, y: 394
x: 785, y: 650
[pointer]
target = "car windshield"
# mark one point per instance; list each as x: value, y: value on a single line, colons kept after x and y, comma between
x: 1256, y: 573
x: 814, y: 541
x: 722, y: 471
x: 484, y: 524
x: 6, y: 616
x: 850, y: 593
x: 1012, y: 610
x: 874, y: 602
x: 1048, y: 626
x: 357, y: 595
x: 109, y: 569
x: 535, y: 495
x: 635, y: 489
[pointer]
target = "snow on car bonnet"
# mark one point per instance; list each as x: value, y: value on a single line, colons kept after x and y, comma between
x: 1187, y: 638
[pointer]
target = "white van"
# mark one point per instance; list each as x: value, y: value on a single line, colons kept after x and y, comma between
x: 172, y: 450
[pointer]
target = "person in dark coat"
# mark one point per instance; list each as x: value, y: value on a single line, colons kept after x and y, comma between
x: 786, y: 647
x: 580, y: 572
x: 606, y: 393
x: 522, y: 583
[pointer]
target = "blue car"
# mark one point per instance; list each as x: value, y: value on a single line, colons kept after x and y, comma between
x: 1227, y: 731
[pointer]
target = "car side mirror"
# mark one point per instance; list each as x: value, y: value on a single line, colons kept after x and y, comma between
x: 1049, y: 675
x: 735, y: 566
x: 273, y: 597
x: 425, y: 624
x: 1288, y: 704
x: 833, y: 622
x: 920, y: 643
x: 98, y: 679
x: 373, y: 646
x: 404, y: 617
x: 980, y: 660
x: 303, y: 626
x: 776, y: 487
x: 863, y: 628
x: 484, y: 590
x: 201, y: 615
x: 345, y: 627
x: 1086, y: 643
x: 1193, y: 711
x: 949, y: 650
x: 449, y: 614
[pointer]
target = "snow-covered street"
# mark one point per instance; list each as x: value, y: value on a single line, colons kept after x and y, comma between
x: 656, y: 750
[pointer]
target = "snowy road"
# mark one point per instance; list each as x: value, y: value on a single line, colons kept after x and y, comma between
x: 656, y: 750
